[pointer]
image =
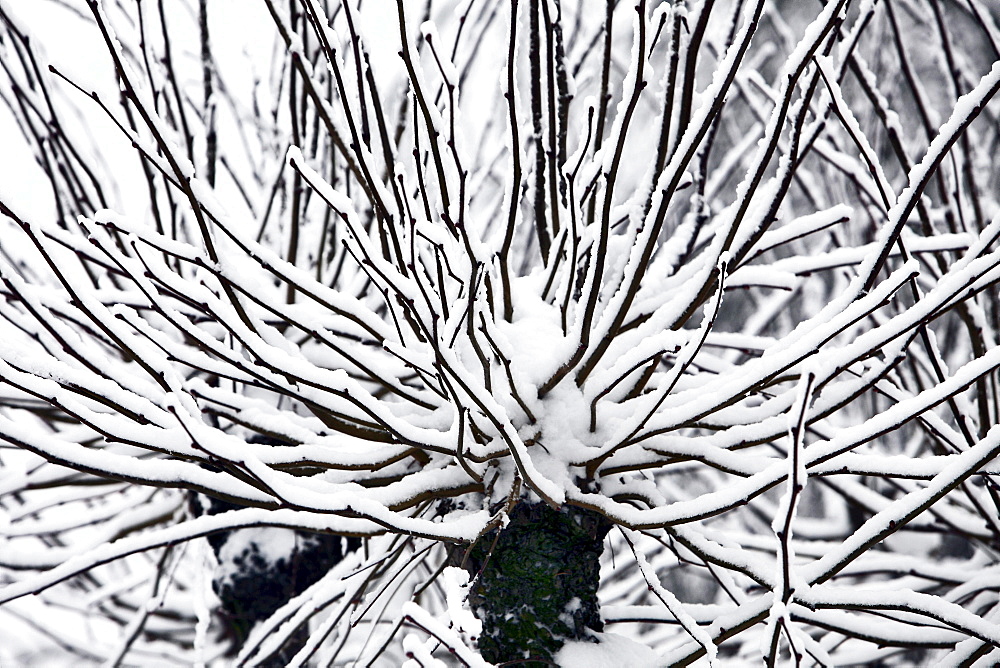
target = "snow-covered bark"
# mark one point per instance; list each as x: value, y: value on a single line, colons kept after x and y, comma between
x: 402, y: 283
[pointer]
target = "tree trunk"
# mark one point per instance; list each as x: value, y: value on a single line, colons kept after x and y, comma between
x: 535, y: 583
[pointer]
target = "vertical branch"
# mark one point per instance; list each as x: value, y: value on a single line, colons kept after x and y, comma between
x: 296, y: 181
x: 954, y: 75
x: 558, y: 105
x: 432, y: 132
x: 602, y: 101
x: 211, y: 140
x: 562, y: 88
x: 515, y: 155
x: 667, y: 116
x: 355, y: 39
x: 535, y: 75
x: 782, y: 526
x: 605, y: 97
x: 921, y: 106
x: 691, y: 67
x: 168, y: 63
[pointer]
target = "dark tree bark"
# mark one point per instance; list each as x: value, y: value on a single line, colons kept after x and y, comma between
x: 252, y: 587
x: 536, y: 583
